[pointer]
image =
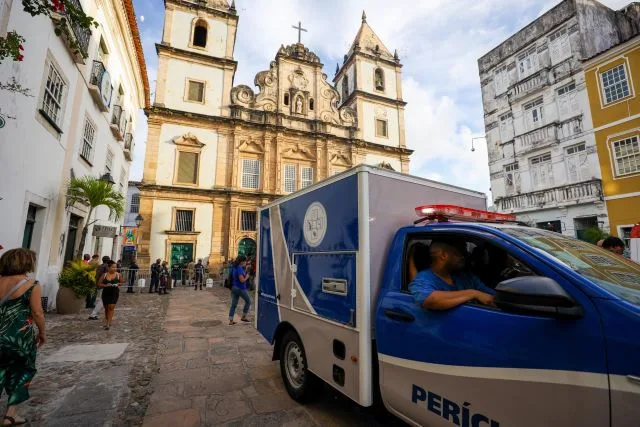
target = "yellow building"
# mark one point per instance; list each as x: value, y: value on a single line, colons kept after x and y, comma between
x: 612, y: 78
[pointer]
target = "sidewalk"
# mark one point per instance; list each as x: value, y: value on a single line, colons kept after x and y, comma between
x: 91, y: 377
x: 212, y: 374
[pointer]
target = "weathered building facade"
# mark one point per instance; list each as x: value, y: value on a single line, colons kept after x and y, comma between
x: 215, y: 153
x: 542, y: 152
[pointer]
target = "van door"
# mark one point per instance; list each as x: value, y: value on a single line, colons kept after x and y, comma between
x: 267, y: 309
x: 479, y: 366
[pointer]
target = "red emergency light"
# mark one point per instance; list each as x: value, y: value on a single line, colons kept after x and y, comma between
x: 444, y: 212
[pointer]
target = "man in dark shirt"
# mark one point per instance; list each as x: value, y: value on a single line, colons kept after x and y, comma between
x: 133, y: 272
x: 445, y: 285
x: 156, y: 268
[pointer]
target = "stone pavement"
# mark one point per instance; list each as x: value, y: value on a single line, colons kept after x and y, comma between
x: 211, y: 373
x: 91, y: 377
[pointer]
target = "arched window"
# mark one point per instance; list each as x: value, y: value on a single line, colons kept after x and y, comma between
x: 311, y: 104
x: 345, y: 88
x: 286, y: 99
x: 135, y: 203
x: 378, y: 78
x: 200, y: 34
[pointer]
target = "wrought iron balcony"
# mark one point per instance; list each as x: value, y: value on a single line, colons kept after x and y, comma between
x: 537, y: 137
x: 571, y: 194
x: 529, y: 85
x: 117, y: 122
x: 76, y: 38
x: 128, y: 146
x: 100, y: 85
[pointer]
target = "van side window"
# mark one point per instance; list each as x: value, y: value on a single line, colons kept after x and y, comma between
x: 487, y: 261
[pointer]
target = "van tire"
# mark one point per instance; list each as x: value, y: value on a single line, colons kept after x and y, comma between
x: 300, y: 383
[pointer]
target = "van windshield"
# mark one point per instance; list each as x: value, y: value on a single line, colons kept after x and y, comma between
x: 612, y: 272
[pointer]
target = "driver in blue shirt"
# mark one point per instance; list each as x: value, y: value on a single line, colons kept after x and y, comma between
x: 445, y: 285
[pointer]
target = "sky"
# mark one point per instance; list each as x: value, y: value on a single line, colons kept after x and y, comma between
x: 439, y: 43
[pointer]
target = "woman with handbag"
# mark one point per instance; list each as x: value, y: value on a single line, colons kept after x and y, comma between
x: 20, y: 309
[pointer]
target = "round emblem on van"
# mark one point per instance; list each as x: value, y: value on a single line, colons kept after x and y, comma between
x: 315, y: 224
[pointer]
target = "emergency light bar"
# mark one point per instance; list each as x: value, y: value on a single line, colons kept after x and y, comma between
x: 443, y: 212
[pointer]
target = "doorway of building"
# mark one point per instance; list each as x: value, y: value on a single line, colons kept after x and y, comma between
x: 247, y: 247
x: 555, y: 226
x: 72, y: 234
x: 583, y: 225
x: 181, y: 253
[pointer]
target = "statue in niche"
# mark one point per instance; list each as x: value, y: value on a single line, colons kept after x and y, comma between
x: 299, y: 105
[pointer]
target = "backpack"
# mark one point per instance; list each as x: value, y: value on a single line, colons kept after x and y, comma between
x: 228, y: 282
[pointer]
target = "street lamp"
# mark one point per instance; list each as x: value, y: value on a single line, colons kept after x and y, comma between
x: 107, y: 177
x: 473, y: 139
x: 139, y: 220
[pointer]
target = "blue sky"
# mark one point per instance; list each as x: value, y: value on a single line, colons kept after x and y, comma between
x: 439, y: 42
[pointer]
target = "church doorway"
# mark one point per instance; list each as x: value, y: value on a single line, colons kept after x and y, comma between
x: 247, y: 247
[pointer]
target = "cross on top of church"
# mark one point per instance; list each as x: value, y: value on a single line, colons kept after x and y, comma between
x: 300, y: 30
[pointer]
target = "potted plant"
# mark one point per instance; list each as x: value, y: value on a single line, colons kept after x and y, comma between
x: 77, y: 280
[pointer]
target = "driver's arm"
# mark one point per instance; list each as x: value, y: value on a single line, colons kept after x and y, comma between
x: 444, y: 300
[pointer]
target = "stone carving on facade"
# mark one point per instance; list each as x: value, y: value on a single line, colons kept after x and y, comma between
x: 298, y: 79
x: 298, y: 51
x: 188, y: 139
x: 339, y: 159
x: 298, y: 151
x: 251, y: 146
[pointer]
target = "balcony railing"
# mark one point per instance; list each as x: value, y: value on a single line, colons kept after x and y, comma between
x: 117, y: 122
x: 128, y: 146
x: 533, y: 83
x: 570, y: 127
x: 76, y: 38
x: 100, y: 85
x: 537, y: 137
x: 581, y: 192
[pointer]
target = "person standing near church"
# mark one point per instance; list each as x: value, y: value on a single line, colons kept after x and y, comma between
x: 99, y: 273
x: 133, y: 272
x: 199, y: 273
x: 91, y: 299
x: 110, y: 282
x: 156, y: 269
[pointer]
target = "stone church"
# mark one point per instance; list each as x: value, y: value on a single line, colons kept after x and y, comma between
x: 215, y: 152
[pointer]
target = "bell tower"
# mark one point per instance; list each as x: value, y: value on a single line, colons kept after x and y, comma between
x: 370, y: 81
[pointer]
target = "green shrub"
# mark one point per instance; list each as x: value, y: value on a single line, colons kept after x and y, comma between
x: 80, y: 277
x: 593, y: 234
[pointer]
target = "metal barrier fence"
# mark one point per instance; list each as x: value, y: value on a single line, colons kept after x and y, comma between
x: 141, y: 278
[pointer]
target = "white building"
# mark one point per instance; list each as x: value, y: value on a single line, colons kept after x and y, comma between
x: 80, y: 121
x: 542, y: 157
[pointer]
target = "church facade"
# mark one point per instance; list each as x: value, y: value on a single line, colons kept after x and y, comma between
x: 216, y: 153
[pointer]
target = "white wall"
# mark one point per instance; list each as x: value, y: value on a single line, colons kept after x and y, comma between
x: 366, y: 82
x: 390, y: 114
x: 162, y: 212
x: 167, y: 154
x: 176, y: 90
x: 182, y: 30
x: 376, y: 159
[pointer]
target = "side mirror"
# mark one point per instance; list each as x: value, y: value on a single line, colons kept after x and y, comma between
x: 536, y: 295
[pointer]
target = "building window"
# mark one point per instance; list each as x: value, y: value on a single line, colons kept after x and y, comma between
x: 378, y: 76
x: 625, y: 234
x: 195, y: 91
x: 512, y: 178
x: 534, y: 113
x: 184, y: 220
x: 290, y: 178
x: 108, y: 163
x: 251, y: 174
x: 123, y: 179
x: 135, y: 203
x: 541, y: 171
x: 381, y: 128
x: 506, y: 127
x: 311, y: 104
x: 187, y: 167
x: 615, y: 84
x: 566, y: 99
x: 54, y: 92
x: 200, y: 34
x: 527, y: 63
x: 345, y: 88
x: 577, y: 163
x: 29, y: 226
x: 103, y: 53
x: 626, y: 154
x: 501, y: 80
x: 307, y: 177
x: 286, y: 99
x: 248, y: 221
x: 567, y: 89
x: 88, y: 140
x: 559, y: 46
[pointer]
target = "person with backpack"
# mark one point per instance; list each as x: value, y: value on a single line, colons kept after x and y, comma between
x: 199, y: 272
x: 239, y: 278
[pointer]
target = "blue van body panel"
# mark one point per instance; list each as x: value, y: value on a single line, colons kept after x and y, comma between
x: 268, y: 318
x: 621, y: 321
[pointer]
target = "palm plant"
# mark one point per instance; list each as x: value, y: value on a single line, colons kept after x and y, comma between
x: 93, y: 192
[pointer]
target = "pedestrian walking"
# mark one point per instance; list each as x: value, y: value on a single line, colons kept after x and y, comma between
x: 191, y: 271
x: 133, y: 272
x: 91, y: 299
x: 98, y: 306
x: 199, y: 273
x: 86, y: 258
x: 119, y: 266
x: 239, y: 289
x: 110, y: 283
x: 164, y: 278
x: 20, y: 308
x: 155, y: 276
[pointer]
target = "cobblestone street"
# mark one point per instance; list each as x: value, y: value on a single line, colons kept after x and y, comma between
x: 170, y: 361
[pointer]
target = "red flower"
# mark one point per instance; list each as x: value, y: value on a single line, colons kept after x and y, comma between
x: 20, y: 47
x: 20, y: 57
x: 58, y: 5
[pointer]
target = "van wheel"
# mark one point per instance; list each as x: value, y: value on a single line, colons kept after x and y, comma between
x: 301, y: 384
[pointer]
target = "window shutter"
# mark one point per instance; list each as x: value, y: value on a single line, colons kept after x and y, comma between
x: 196, y: 91
x: 307, y: 177
x: 187, y: 167
x: 290, y: 178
